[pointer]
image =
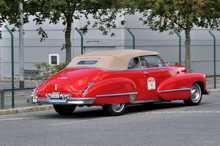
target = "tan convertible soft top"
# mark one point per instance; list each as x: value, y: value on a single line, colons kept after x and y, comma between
x: 110, y: 60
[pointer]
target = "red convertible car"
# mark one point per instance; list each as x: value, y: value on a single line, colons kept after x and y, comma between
x: 113, y: 79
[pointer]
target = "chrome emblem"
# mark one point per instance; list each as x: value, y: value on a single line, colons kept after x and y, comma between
x: 61, y: 78
x: 56, y: 85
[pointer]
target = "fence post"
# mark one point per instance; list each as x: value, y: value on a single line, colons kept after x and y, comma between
x: 179, y: 46
x: 133, y: 38
x: 2, y: 99
x: 214, y: 61
x: 81, y: 39
x: 12, y: 64
x: 21, y: 49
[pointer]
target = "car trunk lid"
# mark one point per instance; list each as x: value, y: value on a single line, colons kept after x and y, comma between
x: 71, y: 79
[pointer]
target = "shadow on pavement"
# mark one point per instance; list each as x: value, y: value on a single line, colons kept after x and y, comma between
x: 131, y: 109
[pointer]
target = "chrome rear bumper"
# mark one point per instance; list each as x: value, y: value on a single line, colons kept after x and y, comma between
x: 74, y: 101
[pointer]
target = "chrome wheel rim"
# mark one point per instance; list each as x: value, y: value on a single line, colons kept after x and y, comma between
x: 195, y: 93
x: 118, y: 107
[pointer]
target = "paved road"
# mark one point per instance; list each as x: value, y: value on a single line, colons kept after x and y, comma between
x: 168, y: 124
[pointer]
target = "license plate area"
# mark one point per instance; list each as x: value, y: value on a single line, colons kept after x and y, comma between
x: 55, y: 95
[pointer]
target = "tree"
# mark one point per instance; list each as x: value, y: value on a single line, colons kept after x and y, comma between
x: 9, y: 12
x: 66, y: 10
x: 181, y: 15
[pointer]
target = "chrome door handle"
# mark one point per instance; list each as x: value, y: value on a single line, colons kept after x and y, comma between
x: 146, y: 73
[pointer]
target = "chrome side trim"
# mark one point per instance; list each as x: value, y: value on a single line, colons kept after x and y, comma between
x: 56, y: 86
x: 132, y: 95
x: 174, y: 90
x: 121, y: 70
x: 119, y: 94
x: 87, y: 88
x: 147, y: 101
x: 139, y: 69
x: 38, y: 85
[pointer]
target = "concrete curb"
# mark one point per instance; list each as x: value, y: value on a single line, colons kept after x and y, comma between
x: 214, y: 90
x: 25, y: 109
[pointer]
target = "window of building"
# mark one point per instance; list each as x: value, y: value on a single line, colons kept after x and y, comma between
x: 54, y: 58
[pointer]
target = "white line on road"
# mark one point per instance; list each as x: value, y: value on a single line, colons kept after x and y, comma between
x: 13, y: 119
x: 183, y: 112
x: 66, y: 123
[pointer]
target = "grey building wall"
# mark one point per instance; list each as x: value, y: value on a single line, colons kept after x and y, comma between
x: 167, y: 45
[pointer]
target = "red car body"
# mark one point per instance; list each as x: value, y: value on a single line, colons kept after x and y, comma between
x: 86, y: 82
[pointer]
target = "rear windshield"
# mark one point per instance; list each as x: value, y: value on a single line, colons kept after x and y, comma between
x: 87, y: 62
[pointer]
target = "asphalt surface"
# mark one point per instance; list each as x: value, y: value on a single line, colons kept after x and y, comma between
x: 168, y: 123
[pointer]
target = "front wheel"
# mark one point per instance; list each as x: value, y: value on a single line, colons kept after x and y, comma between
x: 195, y: 95
x: 64, y: 109
x: 115, y: 109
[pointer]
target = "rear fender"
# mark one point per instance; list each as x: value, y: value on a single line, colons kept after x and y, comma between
x: 178, y: 87
x: 111, y: 91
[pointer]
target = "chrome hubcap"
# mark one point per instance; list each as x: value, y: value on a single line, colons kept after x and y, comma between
x: 118, y: 107
x: 195, y: 93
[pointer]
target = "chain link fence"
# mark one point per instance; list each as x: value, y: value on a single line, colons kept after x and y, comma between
x: 49, y: 51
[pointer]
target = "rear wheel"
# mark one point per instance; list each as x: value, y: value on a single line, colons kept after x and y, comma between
x: 64, y: 109
x: 195, y: 95
x: 114, y: 109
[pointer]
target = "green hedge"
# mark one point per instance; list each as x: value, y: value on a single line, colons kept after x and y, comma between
x: 44, y: 71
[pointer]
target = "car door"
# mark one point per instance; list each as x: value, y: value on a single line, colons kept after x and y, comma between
x: 147, y: 72
x: 154, y: 73
x: 136, y: 74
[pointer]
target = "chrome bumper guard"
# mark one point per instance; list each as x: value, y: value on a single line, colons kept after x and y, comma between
x: 63, y: 101
x: 207, y: 92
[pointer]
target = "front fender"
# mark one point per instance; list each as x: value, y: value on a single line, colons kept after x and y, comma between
x: 113, y: 90
x: 178, y: 87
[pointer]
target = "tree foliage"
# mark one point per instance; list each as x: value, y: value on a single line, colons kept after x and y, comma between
x: 9, y: 12
x: 66, y: 11
x: 181, y: 15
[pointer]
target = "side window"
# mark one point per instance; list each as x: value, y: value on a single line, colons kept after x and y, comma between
x: 133, y: 63
x: 154, y: 61
x: 160, y: 62
x: 142, y: 62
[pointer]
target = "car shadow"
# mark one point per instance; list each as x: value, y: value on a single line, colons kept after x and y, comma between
x: 130, y: 109
x: 152, y: 107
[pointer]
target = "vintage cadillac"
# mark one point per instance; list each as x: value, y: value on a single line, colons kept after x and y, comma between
x: 114, y: 79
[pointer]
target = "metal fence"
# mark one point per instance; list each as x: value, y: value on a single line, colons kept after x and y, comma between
x: 19, y: 99
x: 36, y: 52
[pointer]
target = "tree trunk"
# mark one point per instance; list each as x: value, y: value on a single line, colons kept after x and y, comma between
x: 187, y: 52
x: 68, y: 42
